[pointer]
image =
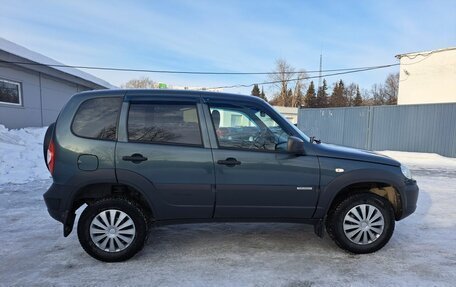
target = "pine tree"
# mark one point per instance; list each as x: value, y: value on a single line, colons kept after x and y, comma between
x: 256, y: 91
x: 338, y: 98
x: 358, y: 99
x: 310, y: 99
x: 297, y: 100
x: 322, y: 96
x: 289, y: 97
x: 332, y: 98
x: 262, y: 95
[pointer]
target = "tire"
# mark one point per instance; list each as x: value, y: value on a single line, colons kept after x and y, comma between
x: 121, y: 238
x: 355, y: 224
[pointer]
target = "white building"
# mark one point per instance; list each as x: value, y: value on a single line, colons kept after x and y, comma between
x: 289, y: 113
x: 427, y: 77
x: 195, y: 88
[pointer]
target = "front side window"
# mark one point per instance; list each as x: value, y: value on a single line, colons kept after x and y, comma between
x: 164, y: 123
x: 10, y: 92
x: 97, y: 118
x: 247, y: 128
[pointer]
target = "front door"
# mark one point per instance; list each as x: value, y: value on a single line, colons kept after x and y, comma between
x: 163, y: 142
x: 255, y: 176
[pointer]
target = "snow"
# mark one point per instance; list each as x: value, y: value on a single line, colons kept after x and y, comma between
x: 416, y: 160
x: 422, y: 251
x: 21, y: 155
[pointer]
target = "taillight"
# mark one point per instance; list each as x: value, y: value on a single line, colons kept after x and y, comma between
x: 51, y: 156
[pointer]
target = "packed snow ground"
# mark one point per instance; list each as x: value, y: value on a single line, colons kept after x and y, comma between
x: 422, y: 251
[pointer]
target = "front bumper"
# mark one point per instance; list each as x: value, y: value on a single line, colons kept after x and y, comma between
x: 409, y: 198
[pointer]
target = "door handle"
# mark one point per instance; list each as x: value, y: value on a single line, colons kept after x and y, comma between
x: 135, y: 158
x: 231, y: 161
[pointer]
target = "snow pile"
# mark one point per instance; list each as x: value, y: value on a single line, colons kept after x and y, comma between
x: 21, y: 155
x: 416, y: 160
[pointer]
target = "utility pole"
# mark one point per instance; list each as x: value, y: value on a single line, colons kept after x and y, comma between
x: 319, y: 75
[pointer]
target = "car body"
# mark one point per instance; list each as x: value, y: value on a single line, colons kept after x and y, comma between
x: 186, y: 156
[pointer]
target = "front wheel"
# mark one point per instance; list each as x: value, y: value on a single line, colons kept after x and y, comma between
x: 112, y: 229
x: 362, y: 223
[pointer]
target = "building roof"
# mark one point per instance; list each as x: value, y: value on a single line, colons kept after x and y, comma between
x: 35, y: 57
x: 424, y: 53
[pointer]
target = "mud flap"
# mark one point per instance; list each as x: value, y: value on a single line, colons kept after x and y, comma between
x: 318, y: 228
x: 68, y: 225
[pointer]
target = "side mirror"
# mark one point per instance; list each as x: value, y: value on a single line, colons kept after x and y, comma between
x: 295, y: 145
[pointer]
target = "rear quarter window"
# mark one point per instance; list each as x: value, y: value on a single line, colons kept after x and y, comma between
x: 97, y: 118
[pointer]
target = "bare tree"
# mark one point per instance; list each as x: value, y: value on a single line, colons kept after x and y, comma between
x: 385, y: 94
x: 350, y: 93
x: 287, y: 79
x: 377, y: 95
x: 283, y: 73
x: 141, y: 83
x: 367, y: 98
x: 391, y: 89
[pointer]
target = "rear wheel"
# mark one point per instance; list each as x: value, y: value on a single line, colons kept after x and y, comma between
x: 112, y: 229
x: 362, y: 223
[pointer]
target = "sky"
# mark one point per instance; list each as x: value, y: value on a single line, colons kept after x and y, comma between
x: 229, y: 36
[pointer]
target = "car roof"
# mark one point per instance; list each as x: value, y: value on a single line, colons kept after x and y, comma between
x: 169, y: 92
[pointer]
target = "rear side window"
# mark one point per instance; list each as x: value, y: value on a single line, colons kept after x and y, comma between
x: 164, y: 123
x: 97, y: 118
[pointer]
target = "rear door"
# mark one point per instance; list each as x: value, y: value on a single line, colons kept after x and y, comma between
x: 255, y: 176
x: 162, y: 140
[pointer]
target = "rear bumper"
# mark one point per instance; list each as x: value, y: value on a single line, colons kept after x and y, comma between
x: 409, y: 198
x: 55, y: 202
x: 56, y: 199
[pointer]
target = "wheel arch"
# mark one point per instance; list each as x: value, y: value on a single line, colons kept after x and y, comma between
x: 93, y: 191
x: 382, y: 183
x: 383, y: 189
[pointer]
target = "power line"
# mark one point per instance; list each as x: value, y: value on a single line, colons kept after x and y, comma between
x: 181, y: 72
x: 342, y: 71
x: 306, y: 78
x: 411, y: 57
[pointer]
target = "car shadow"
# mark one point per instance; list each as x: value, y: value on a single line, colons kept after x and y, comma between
x: 240, y: 238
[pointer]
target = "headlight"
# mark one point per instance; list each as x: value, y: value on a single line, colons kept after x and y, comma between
x: 406, y: 172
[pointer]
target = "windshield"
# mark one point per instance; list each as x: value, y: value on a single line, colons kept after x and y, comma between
x: 303, y: 135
